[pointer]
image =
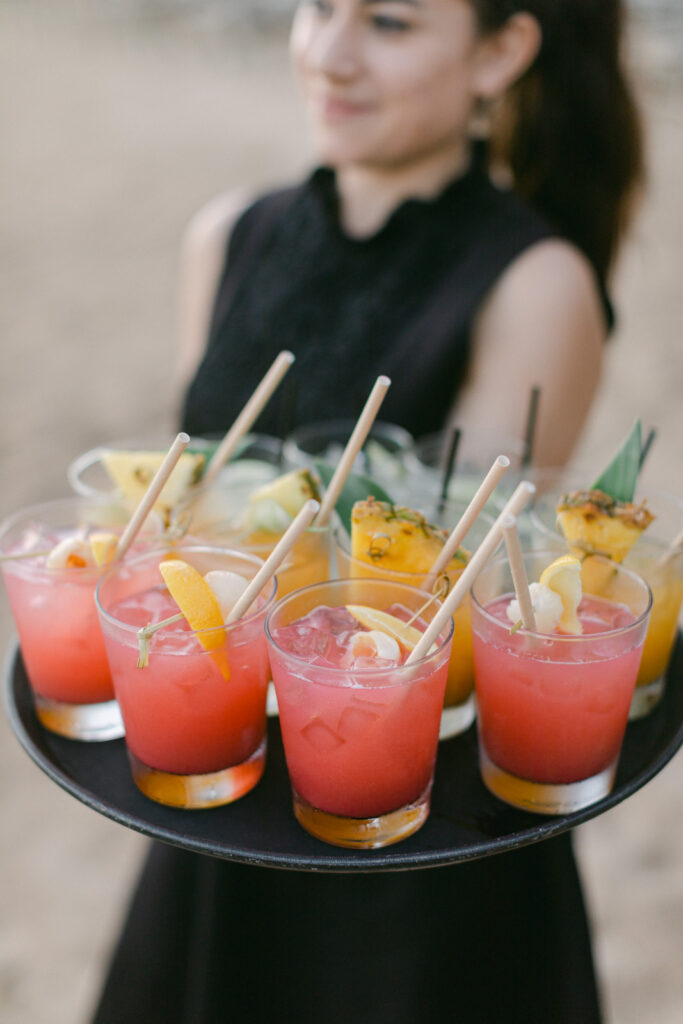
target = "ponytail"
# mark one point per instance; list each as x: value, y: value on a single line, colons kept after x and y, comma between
x: 568, y: 130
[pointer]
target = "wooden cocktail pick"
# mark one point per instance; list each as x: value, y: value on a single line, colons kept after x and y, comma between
x: 521, y: 497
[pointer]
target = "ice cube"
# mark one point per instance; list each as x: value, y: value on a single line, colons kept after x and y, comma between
x: 321, y: 737
x: 355, y: 721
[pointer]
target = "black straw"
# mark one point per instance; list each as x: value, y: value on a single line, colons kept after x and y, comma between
x: 646, y: 447
x: 532, y: 416
x: 449, y: 467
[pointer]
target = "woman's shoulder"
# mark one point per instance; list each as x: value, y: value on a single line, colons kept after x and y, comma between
x: 229, y: 223
x: 551, y: 273
x: 543, y: 324
x: 212, y: 226
x: 539, y: 264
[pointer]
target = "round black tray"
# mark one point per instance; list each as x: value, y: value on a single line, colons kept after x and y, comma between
x: 465, y: 823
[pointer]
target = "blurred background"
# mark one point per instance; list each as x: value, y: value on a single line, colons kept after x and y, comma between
x: 119, y: 119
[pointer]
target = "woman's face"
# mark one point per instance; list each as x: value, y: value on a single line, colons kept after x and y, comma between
x: 386, y: 81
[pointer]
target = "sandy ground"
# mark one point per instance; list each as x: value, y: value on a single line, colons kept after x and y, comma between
x: 115, y: 130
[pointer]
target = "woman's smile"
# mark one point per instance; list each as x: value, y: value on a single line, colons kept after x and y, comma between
x: 338, y: 108
x: 411, y: 65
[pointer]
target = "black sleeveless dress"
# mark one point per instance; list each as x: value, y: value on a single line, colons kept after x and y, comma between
x: 399, y: 303
x: 500, y: 939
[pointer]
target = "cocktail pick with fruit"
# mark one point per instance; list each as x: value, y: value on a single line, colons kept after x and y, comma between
x: 520, y: 498
x: 604, y: 520
x: 353, y: 446
x: 249, y: 414
x: 464, y: 524
x: 204, y: 613
x: 151, y: 495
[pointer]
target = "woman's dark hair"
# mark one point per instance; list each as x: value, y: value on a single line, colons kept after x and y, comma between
x: 569, y: 130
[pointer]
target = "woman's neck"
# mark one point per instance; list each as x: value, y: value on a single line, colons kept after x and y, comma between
x: 368, y: 195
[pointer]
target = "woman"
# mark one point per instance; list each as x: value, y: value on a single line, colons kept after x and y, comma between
x: 534, y: 313
x: 400, y: 256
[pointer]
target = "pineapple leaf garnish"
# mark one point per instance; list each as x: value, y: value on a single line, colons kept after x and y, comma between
x: 356, y: 488
x: 618, y: 480
x: 208, y: 454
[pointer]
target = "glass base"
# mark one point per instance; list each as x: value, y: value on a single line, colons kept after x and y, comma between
x: 645, y: 698
x: 457, y: 718
x: 196, y: 791
x: 90, y: 722
x: 545, y: 797
x: 363, y: 833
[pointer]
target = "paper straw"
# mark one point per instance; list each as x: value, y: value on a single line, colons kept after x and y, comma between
x: 464, y: 524
x: 519, y: 578
x: 354, y: 445
x: 151, y: 495
x: 289, y: 538
x: 521, y: 497
x: 249, y: 414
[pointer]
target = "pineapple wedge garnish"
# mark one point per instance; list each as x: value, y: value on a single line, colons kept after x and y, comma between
x: 593, y: 523
x: 398, y: 539
x: 272, y: 508
x: 132, y: 472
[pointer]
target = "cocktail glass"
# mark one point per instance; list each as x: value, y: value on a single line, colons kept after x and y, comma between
x: 663, y: 572
x: 360, y: 742
x: 255, y: 462
x: 552, y: 709
x: 55, y: 615
x: 477, y: 450
x: 209, y: 508
x: 385, y: 456
x: 649, y: 557
x: 459, y: 701
x: 195, y: 718
x: 308, y: 561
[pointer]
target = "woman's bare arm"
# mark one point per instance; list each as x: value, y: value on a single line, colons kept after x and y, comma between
x: 543, y: 324
x: 202, y: 256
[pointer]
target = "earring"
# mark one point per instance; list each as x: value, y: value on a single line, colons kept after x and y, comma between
x: 480, y: 123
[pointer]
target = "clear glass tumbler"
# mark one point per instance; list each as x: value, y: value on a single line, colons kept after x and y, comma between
x: 552, y: 708
x: 385, y: 457
x: 459, y: 701
x: 55, y: 615
x: 652, y: 558
x: 360, y: 740
x: 194, y: 704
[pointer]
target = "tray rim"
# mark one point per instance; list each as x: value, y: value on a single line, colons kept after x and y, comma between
x: 330, y: 859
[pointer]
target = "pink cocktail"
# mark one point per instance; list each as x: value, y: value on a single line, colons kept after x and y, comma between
x: 195, y: 717
x: 360, y: 731
x: 553, y: 708
x: 54, y: 611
